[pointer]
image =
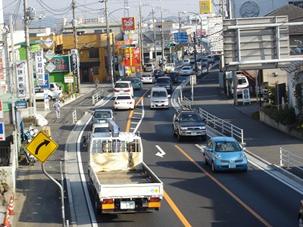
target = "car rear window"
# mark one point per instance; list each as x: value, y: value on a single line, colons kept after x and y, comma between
x: 103, y: 114
x: 163, y: 80
x: 123, y: 97
x: 101, y: 129
x: 121, y: 85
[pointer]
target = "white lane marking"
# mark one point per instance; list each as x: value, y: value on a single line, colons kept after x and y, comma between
x: 142, y: 116
x: 160, y: 152
x: 82, y: 177
x: 81, y: 171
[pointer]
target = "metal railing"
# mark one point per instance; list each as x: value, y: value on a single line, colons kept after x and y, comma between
x: 74, y: 115
x: 97, y: 97
x: 290, y: 159
x: 226, y: 128
x: 185, y: 103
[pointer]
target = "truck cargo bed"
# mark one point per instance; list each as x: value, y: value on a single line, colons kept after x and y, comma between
x: 137, y: 176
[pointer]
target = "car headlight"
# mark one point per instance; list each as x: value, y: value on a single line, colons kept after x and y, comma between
x: 243, y: 156
x: 217, y: 156
x: 203, y: 128
x: 183, y: 129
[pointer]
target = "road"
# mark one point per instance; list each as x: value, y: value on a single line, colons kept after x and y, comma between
x: 195, y: 196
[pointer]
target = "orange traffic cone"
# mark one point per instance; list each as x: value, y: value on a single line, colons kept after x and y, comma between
x: 10, y: 208
x: 6, y: 222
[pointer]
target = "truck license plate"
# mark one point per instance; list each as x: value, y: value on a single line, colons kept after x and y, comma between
x: 126, y: 205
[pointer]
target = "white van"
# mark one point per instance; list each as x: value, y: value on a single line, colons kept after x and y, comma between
x: 242, y: 83
x: 159, y: 97
x: 123, y: 87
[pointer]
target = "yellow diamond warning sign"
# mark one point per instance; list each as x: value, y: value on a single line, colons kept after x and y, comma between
x: 42, y: 146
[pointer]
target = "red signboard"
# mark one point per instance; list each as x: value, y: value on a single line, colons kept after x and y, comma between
x: 132, y: 56
x: 128, y: 23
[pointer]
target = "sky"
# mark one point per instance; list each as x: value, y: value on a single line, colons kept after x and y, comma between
x: 92, y: 8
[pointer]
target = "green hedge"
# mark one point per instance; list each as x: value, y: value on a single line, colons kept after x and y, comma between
x: 284, y: 116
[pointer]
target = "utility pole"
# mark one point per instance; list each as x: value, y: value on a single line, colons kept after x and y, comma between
x: 195, y: 52
x: 140, y: 34
x: 109, y: 53
x: 74, y: 22
x: 126, y: 8
x: 154, y: 33
x: 162, y: 35
x: 27, y: 17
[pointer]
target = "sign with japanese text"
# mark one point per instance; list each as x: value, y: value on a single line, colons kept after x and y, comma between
x: 22, y: 85
x: 39, y: 60
x: 128, y: 23
x: 132, y: 56
x: 205, y: 6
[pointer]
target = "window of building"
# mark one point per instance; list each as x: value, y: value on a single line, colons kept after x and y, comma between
x: 93, y: 53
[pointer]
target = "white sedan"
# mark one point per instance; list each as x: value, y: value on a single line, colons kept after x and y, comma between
x: 186, y: 70
x: 124, y: 102
x: 147, y: 78
x: 42, y: 93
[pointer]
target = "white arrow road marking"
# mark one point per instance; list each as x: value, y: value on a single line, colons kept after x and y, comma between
x: 160, y: 153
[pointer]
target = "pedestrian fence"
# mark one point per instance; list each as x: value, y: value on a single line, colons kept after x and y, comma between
x: 75, y: 118
x: 97, y: 97
x: 185, y: 103
x: 289, y: 159
x: 225, y: 127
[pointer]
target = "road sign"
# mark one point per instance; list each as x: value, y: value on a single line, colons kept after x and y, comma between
x: 42, y: 146
x: 21, y: 104
x: 181, y: 37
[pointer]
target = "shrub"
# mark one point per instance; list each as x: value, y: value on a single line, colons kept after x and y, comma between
x: 284, y: 116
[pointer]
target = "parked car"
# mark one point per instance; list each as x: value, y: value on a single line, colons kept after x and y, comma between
x: 124, y: 102
x: 135, y: 81
x: 148, y: 67
x: 242, y: 83
x: 102, y: 115
x: 54, y: 87
x: 186, y: 70
x: 147, y: 78
x: 159, y: 97
x: 188, y: 123
x: 123, y: 87
x: 224, y: 153
x: 165, y: 81
x: 42, y: 93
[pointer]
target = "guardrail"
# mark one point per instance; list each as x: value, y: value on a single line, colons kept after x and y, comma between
x: 96, y: 97
x: 289, y: 159
x: 222, y: 126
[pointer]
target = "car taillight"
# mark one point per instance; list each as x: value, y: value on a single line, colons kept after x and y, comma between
x: 107, y: 201
x: 117, y: 90
x: 127, y: 90
x: 154, y: 199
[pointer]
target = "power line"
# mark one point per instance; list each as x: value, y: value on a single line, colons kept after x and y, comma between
x: 53, y: 9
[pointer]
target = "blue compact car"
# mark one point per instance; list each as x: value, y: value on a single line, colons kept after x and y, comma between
x: 224, y: 153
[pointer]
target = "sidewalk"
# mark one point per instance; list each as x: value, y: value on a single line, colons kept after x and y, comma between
x: 37, y: 198
x: 260, y: 139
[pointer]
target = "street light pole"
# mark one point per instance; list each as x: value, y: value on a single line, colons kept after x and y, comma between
x: 109, y: 53
x: 140, y: 34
